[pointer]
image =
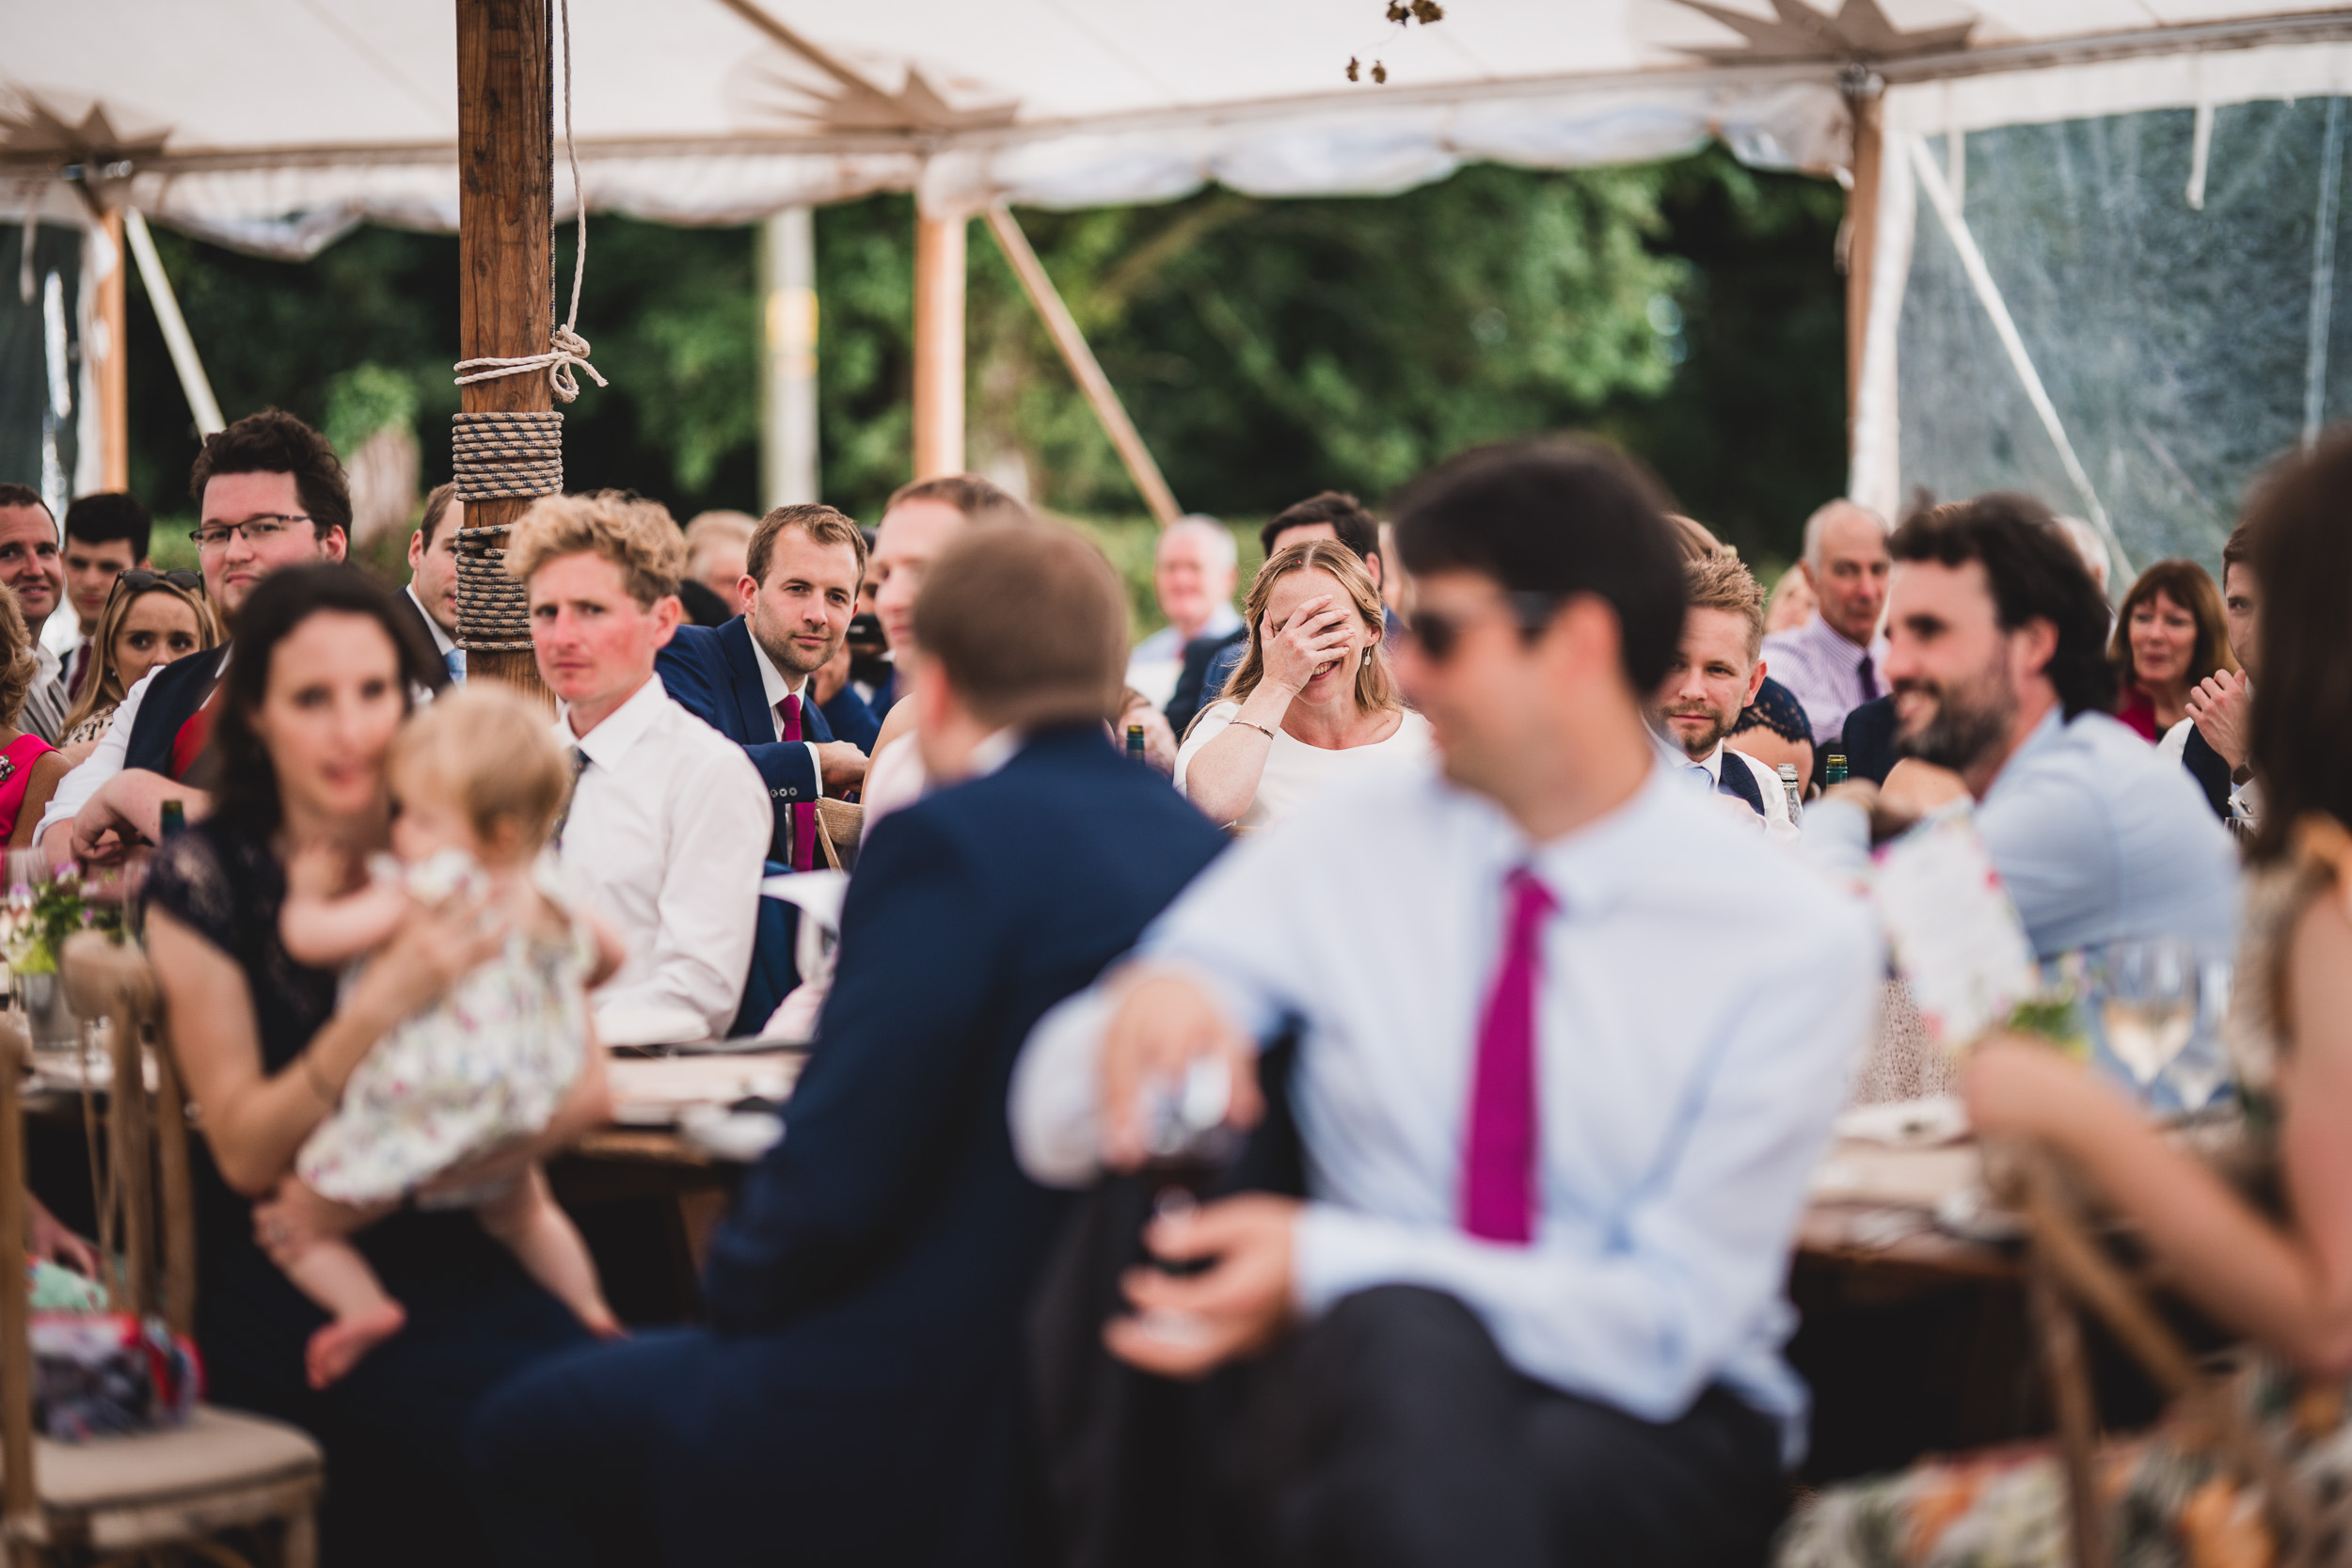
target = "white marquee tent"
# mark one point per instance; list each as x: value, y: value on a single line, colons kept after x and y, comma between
x: 274, y: 125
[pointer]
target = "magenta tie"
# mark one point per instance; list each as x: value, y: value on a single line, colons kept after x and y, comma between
x: 803, y: 818
x: 1499, y: 1156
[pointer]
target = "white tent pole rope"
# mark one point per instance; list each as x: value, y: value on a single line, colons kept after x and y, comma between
x: 2323, y: 275
x: 1989, y: 295
x: 567, y: 347
x: 193, y: 380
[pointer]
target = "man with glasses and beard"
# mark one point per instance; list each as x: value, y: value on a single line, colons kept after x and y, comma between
x: 1996, y: 654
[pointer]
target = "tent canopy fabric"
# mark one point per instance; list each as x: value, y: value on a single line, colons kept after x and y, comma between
x: 274, y: 125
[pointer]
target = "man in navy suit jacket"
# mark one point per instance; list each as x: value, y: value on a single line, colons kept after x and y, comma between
x: 749, y: 679
x: 859, y: 1397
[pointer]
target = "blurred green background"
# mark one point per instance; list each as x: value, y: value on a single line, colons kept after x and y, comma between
x: 1690, y: 311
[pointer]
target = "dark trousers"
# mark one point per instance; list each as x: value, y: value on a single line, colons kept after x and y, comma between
x: 1391, y: 1434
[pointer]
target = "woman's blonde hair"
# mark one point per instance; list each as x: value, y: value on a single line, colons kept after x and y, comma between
x: 103, y: 690
x: 1375, y: 688
x: 491, y: 749
x: 19, y: 665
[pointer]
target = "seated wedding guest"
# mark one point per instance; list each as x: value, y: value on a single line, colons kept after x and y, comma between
x: 30, y: 768
x: 751, y: 679
x: 1869, y: 740
x: 1772, y: 728
x: 1792, y: 602
x: 1993, y: 650
x: 1835, y: 661
x: 861, y: 1386
x: 106, y: 534
x: 1333, y: 516
x: 2169, y: 636
x: 150, y: 619
x: 718, y: 549
x: 1193, y: 569
x: 2213, y: 742
x: 2280, y: 1274
x: 1711, y: 680
x: 32, y: 569
x: 1313, y: 701
x: 668, y: 824
x: 432, y: 591
x: 1533, y: 1295
x: 920, y: 521
x: 270, y: 493
x: 325, y: 664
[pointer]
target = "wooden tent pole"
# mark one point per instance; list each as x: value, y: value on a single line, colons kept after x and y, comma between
x: 505, y: 144
x: 1084, y: 368
x: 1865, y: 96
x: 112, y: 367
x: 939, y: 272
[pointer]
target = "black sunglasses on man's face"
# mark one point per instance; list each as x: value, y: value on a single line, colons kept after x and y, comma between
x: 1438, y: 633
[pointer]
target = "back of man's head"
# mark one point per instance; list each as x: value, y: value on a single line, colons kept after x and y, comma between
x: 980, y: 500
x: 1351, y: 525
x: 2033, y: 572
x: 1028, y: 621
x: 274, y: 442
x: 108, y: 516
x: 1557, y: 517
x: 707, y: 530
x: 821, y: 523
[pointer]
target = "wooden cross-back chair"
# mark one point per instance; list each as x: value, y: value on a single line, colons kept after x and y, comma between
x: 2071, y: 1270
x: 149, y: 1496
x: 840, y: 826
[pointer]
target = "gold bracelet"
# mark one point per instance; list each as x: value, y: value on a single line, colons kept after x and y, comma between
x: 1253, y: 724
x: 319, y: 1085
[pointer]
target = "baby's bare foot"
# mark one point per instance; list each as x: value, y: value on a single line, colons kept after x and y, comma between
x: 339, y: 1347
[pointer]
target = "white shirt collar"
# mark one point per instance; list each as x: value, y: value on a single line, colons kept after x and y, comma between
x: 772, y: 679
x: 991, y: 751
x: 1712, y: 762
x: 622, y: 728
x: 443, y: 643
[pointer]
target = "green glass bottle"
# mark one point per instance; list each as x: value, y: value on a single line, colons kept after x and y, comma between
x: 1135, y: 742
x: 1832, y: 770
x: 175, y: 817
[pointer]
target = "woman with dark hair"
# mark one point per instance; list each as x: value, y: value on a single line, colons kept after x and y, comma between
x: 2169, y: 636
x: 2284, y: 1282
x: 326, y: 663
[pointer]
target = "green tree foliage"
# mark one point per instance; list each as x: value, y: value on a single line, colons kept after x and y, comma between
x: 1266, y: 348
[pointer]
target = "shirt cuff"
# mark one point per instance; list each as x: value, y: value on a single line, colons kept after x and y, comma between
x: 1336, y: 1252
x: 1836, y: 838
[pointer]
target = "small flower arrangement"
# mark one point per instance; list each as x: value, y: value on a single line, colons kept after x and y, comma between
x: 35, y: 921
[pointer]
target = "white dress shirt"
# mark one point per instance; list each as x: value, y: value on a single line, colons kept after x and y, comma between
x: 1822, y: 669
x: 667, y: 833
x: 1155, y: 664
x: 443, y: 643
x: 1778, y: 825
x: 772, y: 682
x: 75, y: 789
x: 1703, y: 1000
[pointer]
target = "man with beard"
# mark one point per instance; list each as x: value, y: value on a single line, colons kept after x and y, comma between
x: 1995, y: 640
x: 749, y: 679
x: 1712, y: 679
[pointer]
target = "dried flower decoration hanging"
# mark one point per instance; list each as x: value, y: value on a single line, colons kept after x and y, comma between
x: 1400, y: 13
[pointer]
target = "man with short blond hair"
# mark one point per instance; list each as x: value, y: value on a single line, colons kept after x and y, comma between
x: 667, y: 820
x: 867, y: 1291
x: 1714, y: 674
x: 716, y: 545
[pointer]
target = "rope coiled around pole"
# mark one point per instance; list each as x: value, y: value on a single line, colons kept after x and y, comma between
x: 499, y: 457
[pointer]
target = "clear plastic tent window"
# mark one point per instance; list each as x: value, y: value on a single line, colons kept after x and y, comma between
x: 2180, y: 307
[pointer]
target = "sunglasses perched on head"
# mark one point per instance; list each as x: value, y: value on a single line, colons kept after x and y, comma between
x: 138, y: 579
x: 1439, y: 633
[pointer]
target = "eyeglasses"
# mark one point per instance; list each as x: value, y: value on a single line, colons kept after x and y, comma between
x: 138, y: 579
x: 259, y: 528
x: 1438, y: 634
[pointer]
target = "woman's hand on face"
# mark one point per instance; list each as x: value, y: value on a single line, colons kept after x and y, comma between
x: 433, y: 948
x: 1313, y: 636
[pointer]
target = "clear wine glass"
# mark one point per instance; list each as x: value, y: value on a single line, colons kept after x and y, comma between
x: 2146, y: 993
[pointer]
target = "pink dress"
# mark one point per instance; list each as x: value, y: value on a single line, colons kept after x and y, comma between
x: 16, y: 773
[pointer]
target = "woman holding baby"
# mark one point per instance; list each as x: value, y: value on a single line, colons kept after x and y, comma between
x: 374, y: 1317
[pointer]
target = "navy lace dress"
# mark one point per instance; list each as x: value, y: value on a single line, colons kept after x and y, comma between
x: 394, y: 1487
x: 1776, y: 709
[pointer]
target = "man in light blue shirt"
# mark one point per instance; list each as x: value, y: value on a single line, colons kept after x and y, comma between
x: 1996, y: 651
x: 1571, y: 1039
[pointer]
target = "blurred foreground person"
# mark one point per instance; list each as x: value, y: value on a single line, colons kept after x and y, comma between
x: 859, y: 1397
x: 1993, y: 650
x: 1529, y: 1311
x: 2285, y: 1283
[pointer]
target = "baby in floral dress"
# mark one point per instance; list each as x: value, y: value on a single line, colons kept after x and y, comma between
x: 479, y: 786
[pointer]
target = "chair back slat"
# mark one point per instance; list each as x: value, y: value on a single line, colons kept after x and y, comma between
x: 178, y: 1192
x: 17, y: 1494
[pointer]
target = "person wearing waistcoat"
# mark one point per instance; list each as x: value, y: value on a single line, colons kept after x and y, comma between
x: 270, y: 493
x: 750, y: 678
x: 1713, y: 676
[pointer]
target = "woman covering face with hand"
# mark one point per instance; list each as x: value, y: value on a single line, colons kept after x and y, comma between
x: 1311, y: 698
